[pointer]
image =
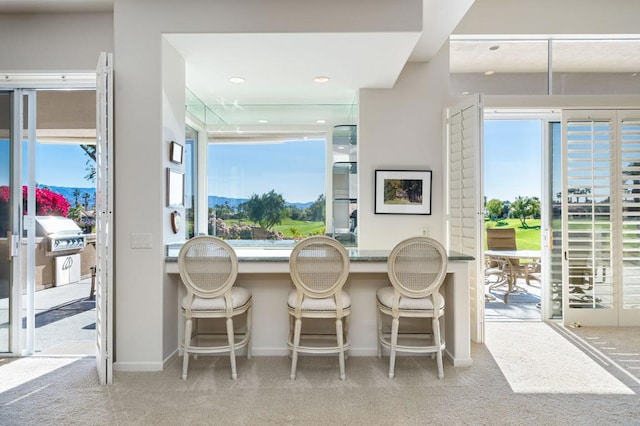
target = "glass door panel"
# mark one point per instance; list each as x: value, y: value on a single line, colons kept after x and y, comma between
x: 5, y: 221
x: 554, y: 233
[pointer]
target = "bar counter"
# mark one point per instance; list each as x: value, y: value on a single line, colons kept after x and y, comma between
x: 266, y: 272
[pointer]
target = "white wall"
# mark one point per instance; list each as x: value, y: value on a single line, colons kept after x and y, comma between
x: 550, y: 17
x: 173, y: 117
x: 400, y: 129
x: 54, y: 42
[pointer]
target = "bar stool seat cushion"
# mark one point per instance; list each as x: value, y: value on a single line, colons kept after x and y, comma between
x: 239, y: 296
x: 318, y: 305
x: 385, y: 297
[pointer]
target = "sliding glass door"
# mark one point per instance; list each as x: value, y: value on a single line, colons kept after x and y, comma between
x: 17, y: 241
x: 6, y: 222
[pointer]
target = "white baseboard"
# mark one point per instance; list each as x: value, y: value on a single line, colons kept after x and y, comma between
x: 137, y: 366
x: 170, y: 358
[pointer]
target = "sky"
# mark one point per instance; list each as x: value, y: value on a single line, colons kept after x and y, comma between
x: 56, y: 165
x: 295, y: 169
x: 512, y: 159
x: 62, y: 165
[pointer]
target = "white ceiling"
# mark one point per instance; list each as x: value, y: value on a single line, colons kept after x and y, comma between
x: 279, y: 70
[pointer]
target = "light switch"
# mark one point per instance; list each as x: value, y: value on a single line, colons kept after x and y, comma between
x: 141, y: 241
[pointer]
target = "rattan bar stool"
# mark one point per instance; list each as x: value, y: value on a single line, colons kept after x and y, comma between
x: 319, y: 268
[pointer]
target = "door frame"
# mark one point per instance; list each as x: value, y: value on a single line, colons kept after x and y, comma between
x: 22, y: 341
x: 546, y: 116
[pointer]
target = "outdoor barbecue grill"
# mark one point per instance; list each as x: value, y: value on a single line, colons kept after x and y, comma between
x: 64, y: 242
x: 64, y: 236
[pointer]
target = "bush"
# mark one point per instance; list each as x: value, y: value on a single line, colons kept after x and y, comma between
x: 239, y: 231
x: 48, y: 203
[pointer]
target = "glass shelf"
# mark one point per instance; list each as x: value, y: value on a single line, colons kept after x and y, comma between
x: 345, y: 185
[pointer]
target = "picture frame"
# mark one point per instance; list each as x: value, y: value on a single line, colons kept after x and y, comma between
x: 175, y: 188
x: 176, y: 152
x: 403, y: 192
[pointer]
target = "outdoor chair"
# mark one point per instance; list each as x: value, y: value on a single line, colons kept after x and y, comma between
x: 417, y: 268
x: 319, y: 268
x: 505, y: 239
x: 208, y: 267
x: 496, y: 274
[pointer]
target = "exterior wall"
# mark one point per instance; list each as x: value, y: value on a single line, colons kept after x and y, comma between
x: 45, y: 263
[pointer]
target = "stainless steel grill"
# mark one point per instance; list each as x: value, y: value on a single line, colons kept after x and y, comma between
x: 63, y: 234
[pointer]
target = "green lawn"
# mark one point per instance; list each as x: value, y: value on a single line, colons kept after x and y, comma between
x: 303, y: 228
x: 290, y: 228
x: 526, y: 239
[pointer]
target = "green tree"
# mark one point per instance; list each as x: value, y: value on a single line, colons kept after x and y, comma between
x: 75, y: 213
x: 267, y: 209
x: 494, y: 209
x: 506, y: 208
x: 318, y: 210
x: 524, y: 208
x: 90, y: 151
x: 224, y: 211
x: 296, y: 213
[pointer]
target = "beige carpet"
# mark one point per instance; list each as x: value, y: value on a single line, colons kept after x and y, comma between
x: 52, y: 391
x: 534, y: 358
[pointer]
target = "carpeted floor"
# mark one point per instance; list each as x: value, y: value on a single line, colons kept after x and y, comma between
x: 63, y: 391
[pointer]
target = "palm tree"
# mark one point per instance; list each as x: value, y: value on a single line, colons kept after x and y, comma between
x: 86, y: 197
x: 76, y: 194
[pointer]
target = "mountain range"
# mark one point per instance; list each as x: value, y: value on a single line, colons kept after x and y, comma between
x: 215, y: 200
x: 67, y: 193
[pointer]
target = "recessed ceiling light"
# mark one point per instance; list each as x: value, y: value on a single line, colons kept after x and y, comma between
x: 263, y: 121
x: 321, y: 79
x: 321, y: 121
x: 489, y: 72
x: 494, y: 47
x: 236, y: 80
x: 341, y: 147
x: 634, y: 74
x: 464, y: 93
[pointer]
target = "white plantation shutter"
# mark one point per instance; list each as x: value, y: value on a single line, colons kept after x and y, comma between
x: 601, y: 217
x: 464, y: 210
x: 629, y: 178
x: 104, y: 218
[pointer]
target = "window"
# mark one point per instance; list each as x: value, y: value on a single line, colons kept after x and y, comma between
x: 272, y: 191
x: 545, y: 66
x: 190, y: 192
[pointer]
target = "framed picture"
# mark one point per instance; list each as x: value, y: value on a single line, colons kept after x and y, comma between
x: 176, y: 152
x: 403, y: 192
x: 175, y: 188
